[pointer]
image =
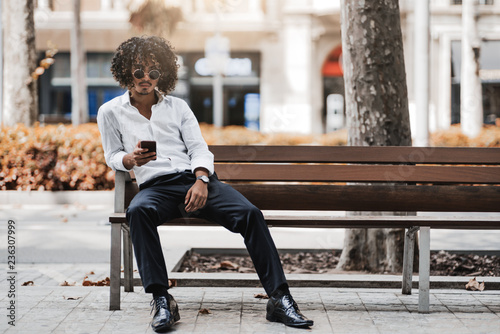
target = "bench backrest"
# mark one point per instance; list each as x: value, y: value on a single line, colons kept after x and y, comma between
x: 393, y: 178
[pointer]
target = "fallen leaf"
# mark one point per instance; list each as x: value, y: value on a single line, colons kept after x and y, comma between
x: 261, y: 296
x: 65, y: 283
x: 474, y: 285
x: 228, y: 265
x: 204, y: 311
x: 72, y: 298
x: 90, y: 273
x: 172, y: 283
x: 28, y: 283
x: 104, y: 282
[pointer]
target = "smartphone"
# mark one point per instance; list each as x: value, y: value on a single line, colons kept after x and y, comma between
x: 149, y: 144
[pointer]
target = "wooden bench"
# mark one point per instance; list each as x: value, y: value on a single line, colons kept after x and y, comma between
x: 330, y: 178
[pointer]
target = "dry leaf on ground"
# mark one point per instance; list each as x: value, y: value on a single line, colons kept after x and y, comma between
x: 261, y: 296
x: 204, y: 311
x: 442, y: 263
x: 229, y: 265
x: 28, y: 283
x: 87, y: 282
x: 65, y: 283
x: 72, y: 298
x: 474, y: 285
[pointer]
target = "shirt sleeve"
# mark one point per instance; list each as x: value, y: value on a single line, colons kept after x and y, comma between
x: 195, y: 143
x: 111, y: 140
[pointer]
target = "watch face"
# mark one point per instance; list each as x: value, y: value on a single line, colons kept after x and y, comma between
x: 203, y: 178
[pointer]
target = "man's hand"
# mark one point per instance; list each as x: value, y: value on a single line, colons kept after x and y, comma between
x: 197, y: 195
x: 138, y: 157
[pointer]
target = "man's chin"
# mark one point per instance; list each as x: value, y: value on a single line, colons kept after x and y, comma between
x: 145, y: 91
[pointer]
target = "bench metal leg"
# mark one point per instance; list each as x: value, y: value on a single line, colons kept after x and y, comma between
x: 424, y: 270
x: 128, y: 266
x: 409, y: 251
x: 114, y: 289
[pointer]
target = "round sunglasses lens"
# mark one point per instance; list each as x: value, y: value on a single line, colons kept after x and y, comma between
x: 139, y: 74
x: 154, y: 74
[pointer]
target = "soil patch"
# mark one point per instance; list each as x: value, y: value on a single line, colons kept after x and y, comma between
x: 442, y: 263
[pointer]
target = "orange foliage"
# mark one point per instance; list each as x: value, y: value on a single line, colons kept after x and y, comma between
x: 489, y: 137
x: 61, y: 157
x: 53, y: 157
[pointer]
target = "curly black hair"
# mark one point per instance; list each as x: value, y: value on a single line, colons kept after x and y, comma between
x: 152, y: 49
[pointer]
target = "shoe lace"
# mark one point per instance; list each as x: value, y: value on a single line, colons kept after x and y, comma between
x: 290, y: 302
x: 157, y: 303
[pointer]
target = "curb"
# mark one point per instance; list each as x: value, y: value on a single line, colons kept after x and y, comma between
x: 323, y: 281
x: 91, y: 197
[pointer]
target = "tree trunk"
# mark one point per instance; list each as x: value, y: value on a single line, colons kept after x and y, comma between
x: 471, y: 95
x: 79, y: 103
x: 377, y: 113
x: 20, y: 100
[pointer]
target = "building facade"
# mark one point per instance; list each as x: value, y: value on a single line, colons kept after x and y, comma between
x: 283, y: 73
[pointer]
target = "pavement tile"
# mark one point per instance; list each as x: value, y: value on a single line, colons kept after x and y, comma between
x: 235, y: 310
x: 262, y: 326
x: 356, y: 329
x: 249, y: 298
x: 209, y: 328
x: 346, y: 307
x: 42, y: 326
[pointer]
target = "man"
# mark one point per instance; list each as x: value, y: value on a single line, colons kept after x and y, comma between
x: 178, y: 178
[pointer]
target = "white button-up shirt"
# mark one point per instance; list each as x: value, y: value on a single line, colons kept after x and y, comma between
x: 179, y: 143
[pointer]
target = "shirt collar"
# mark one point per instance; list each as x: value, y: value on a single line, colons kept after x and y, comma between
x: 125, y: 98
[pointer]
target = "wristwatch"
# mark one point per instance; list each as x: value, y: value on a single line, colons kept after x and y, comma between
x: 204, y: 178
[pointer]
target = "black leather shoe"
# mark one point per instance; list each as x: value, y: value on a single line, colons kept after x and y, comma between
x: 166, y: 314
x: 284, y: 309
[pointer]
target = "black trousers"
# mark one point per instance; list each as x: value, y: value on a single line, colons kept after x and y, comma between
x: 162, y: 199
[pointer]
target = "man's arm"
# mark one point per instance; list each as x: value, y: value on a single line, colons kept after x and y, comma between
x: 197, y: 148
x: 112, y: 145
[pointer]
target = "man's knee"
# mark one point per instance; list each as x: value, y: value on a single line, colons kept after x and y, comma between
x: 254, y: 212
x: 254, y: 217
x: 141, y: 212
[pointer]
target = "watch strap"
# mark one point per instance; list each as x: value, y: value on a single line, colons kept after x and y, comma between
x: 204, y: 178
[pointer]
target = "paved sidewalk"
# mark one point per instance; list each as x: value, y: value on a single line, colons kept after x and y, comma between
x: 46, y: 309
x: 68, y: 242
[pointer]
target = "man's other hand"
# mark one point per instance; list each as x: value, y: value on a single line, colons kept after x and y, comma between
x: 196, y: 197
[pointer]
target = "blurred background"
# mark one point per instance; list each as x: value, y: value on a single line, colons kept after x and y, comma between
x: 276, y: 63
x: 253, y: 72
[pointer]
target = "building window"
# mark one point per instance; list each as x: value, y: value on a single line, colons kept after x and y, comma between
x: 55, y: 87
x: 241, y: 99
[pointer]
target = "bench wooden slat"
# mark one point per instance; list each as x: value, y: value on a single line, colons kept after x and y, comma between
x: 377, y: 197
x: 371, y: 197
x: 349, y: 154
x: 450, y: 222
x: 357, y: 173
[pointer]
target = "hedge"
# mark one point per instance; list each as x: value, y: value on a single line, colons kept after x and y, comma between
x: 62, y: 157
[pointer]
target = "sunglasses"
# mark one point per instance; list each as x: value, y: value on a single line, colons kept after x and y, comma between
x: 153, y: 74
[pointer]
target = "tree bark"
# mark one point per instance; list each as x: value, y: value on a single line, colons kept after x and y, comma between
x: 377, y: 113
x: 79, y: 103
x: 20, y: 100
